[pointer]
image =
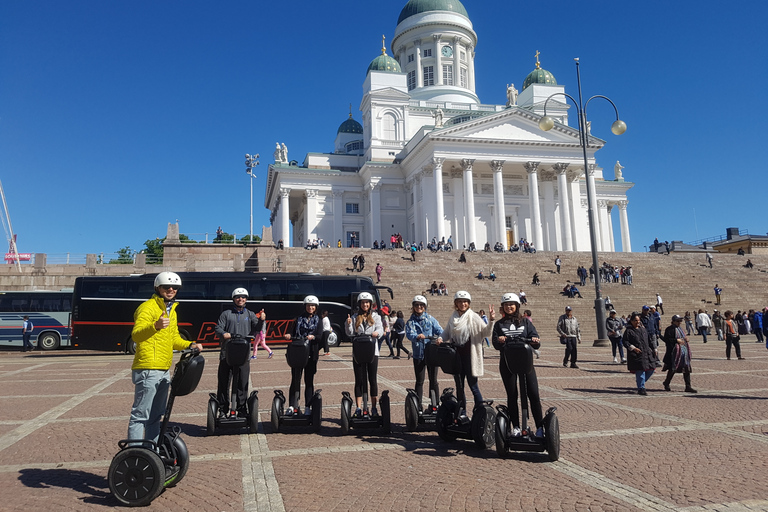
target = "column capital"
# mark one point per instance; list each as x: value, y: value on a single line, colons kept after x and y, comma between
x: 437, y: 37
x: 427, y: 171
x: 338, y: 194
x: 285, y: 192
x: 622, y: 204
x: 497, y: 165
x: 591, y: 168
x: 417, y: 43
x: 531, y: 167
x: 561, y: 168
x: 602, y: 203
x: 310, y: 193
x: 437, y: 162
x: 467, y: 163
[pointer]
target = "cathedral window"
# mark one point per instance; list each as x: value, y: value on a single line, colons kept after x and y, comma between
x: 463, y: 77
x: 463, y: 56
x: 429, y: 76
x: 411, y: 80
x: 353, y: 207
x: 388, y: 127
x: 447, y: 74
x: 428, y: 52
x: 410, y: 58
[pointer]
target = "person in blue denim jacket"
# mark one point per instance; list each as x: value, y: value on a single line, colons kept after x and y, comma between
x: 419, y: 329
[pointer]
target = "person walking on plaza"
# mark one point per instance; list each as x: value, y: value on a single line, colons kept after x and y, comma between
x: 731, y: 336
x: 719, y: 322
x: 756, y: 317
x: 659, y: 304
x: 327, y: 330
x: 26, y: 333
x: 641, y: 357
x: 615, y: 328
x: 156, y: 334
x: 703, y: 323
x: 398, y: 333
x: 568, y: 329
x: 718, y: 291
x: 677, y: 357
x: 361, y: 262
x: 379, y: 268
x: 236, y: 321
x: 355, y: 261
x: 558, y: 262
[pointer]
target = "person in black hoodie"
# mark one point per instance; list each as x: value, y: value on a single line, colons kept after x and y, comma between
x: 307, y: 326
x: 513, y: 325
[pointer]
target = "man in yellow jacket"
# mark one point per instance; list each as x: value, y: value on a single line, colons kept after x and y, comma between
x: 156, y: 333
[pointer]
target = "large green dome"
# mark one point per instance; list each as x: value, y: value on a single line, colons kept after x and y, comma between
x: 350, y: 126
x: 414, y: 7
x: 384, y: 63
x: 539, y: 76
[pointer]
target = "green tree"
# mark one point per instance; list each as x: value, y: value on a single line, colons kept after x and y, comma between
x: 124, y: 256
x: 154, y: 250
x: 247, y: 239
x: 226, y: 238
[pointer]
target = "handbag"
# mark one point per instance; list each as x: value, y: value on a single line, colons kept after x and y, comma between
x: 562, y: 339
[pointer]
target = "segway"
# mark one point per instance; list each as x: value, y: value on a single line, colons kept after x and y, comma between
x: 363, y: 352
x: 450, y: 421
x: 142, y: 468
x: 414, y: 415
x: 518, y: 356
x: 236, y: 353
x: 297, y: 354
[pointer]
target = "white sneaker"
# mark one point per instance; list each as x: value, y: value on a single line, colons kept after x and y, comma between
x: 615, y: 360
x: 516, y: 432
x: 537, y: 353
x: 289, y: 411
x: 307, y: 411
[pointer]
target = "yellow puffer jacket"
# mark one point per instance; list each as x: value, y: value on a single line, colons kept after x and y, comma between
x: 154, y: 349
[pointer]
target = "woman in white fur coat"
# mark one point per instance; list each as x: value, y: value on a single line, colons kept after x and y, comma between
x: 466, y: 330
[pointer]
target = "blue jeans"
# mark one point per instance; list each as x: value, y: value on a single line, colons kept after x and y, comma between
x: 616, y: 342
x: 150, y: 396
x: 642, y: 376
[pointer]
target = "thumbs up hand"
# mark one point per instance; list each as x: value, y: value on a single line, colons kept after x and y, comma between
x: 162, y: 322
x: 262, y: 315
x: 349, y: 319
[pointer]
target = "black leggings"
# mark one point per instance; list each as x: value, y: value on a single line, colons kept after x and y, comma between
x: 532, y: 385
x: 419, y: 368
x: 731, y: 340
x: 309, y: 383
x: 372, y: 368
x: 399, y: 344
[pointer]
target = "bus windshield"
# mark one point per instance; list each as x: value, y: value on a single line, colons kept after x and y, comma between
x: 49, y: 312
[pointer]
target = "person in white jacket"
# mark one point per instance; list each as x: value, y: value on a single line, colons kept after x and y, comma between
x: 466, y: 330
x: 703, y: 324
x: 366, y: 322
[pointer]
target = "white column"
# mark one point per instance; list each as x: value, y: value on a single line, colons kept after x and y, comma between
x: 438, y: 60
x: 515, y: 224
x: 418, y: 210
x: 374, y: 224
x: 610, y: 228
x: 469, y: 200
x: 498, y: 201
x: 459, y: 225
x: 471, y: 66
x: 565, y: 206
x: 533, y: 196
x: 551, y: 243
x: 310, y: 213
x: 579, y: 224
x: 456, y: 62
x: 439, y: 199
x: 593, y: 204
x: 602, y: 210
x: 626, y: 245
x: 419, y: 68
x: 338, y: 218
x: 428, y: 200
x: 285, y: 217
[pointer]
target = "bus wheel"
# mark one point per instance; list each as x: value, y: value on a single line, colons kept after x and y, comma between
x: 48, y: 341
x: 130, y: 346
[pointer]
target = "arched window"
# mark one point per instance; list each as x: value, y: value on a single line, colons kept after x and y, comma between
x: 388, y: 127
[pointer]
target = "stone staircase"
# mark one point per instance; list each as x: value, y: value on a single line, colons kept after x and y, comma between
x: 684, y: 281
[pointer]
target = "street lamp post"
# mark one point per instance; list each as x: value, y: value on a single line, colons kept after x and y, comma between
x: 250, y: 163
x: 618, y: 127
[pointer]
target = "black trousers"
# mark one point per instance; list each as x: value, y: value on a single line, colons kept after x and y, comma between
x: 686, y: 376
x: 729, y: 340
x: 532, y: 385
x: 419, y: 368
x: 372, y: 369
x: 309, y: 372
x: 399, y: 343
x: 240, y: 384
x: 571, y: 350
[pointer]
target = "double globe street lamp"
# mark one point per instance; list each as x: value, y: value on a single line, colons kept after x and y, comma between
x: 251, y: 161
x: 618, y: 127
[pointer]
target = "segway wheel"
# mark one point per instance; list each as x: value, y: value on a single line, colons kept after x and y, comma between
x: 213, y: 407
x: 552, y: 436
x: 253, y: 412
x: 346, y: 412
x: 411, y: 412
x: 501, y: 436
x: 317, y: 412
x: 136, y: 476
x: 483, y: 426
x: 182, y: 461
x: 446, y: 413
x: 277, y: 411
x: 386, y: 418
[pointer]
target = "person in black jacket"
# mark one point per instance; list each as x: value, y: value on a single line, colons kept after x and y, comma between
x: 514, y: 326
x: 678, y: 355
x: 307, y: 326
x: 641, y: 357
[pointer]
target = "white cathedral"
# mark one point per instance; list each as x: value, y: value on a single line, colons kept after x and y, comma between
x: 431, y: 161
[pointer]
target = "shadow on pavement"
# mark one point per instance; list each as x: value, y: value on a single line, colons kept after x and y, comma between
x: 95, y: 488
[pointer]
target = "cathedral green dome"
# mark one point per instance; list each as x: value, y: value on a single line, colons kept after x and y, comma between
x: 385, y: 63
x: 350, y: 126
x: 414, y: 7
x: 539, y: 76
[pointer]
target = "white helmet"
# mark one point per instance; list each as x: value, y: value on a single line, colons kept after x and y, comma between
x: 167, y: 278
x: 461, y: 294
x: 420, y: 299
x: 311, y: 299
x: 239, y: 292
x: 510, y: 297
x: 365, y: 296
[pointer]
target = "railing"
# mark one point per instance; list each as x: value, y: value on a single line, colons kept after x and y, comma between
x: 719, y: 238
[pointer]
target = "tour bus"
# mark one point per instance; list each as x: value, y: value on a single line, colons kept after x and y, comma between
x: 49, y: 312
x: 103, y: 307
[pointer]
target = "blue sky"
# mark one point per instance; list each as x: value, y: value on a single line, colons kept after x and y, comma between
x: 118, y: 117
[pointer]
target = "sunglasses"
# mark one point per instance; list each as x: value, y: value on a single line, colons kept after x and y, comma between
x: 170, y: 287
x: 241, y: 297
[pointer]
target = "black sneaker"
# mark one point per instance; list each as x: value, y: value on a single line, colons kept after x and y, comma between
x: 642, y: 391
x: 574, y: 366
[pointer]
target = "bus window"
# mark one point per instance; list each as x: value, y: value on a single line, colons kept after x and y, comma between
x: 340, y: 290
x: 139, y: 289
x: 299, y: 289
x: 96, y: 288
x: 273, y: 289
x: 194, y: 290
x: 20, y: 305
x: 222, y: 290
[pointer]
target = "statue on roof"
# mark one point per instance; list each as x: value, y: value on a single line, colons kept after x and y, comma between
x: 511, y: 95
x: 284, y: 154
x: 617, y: 170
x: 277, y: 153
x: 438, y: 114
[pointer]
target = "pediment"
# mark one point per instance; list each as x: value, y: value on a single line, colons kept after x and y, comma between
x: 510, y: 126
x: 390, y: 93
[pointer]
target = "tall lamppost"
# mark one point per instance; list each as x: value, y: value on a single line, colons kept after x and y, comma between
x: 618, y: 127
x: 250, y: 163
